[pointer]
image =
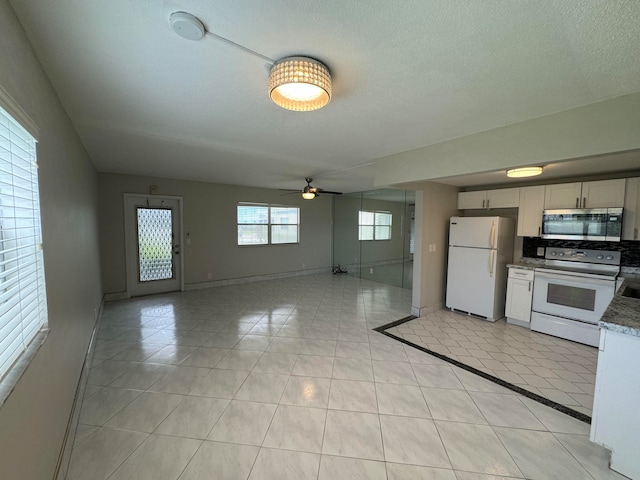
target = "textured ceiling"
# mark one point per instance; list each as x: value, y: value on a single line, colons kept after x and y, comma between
x: 406, y: 74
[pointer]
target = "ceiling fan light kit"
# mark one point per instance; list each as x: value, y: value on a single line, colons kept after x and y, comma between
x: 301, y: 84
x: 308, y: 195
x: 524, y: 172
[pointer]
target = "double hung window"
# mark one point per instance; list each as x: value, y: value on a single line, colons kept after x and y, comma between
x: 23, y: 306
x: 262, y: 224
x: 374, y: 225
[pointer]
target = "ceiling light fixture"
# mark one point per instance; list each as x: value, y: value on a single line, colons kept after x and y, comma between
x: 300, y: 84
x: 308, y: 195
x: 524, y: 172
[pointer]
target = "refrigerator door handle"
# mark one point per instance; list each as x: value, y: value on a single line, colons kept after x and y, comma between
x: 493, y: 235
x: 493, y: 252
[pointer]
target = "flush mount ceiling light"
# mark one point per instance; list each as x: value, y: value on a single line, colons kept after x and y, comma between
x: 300, y: 84
x: 524, y: 172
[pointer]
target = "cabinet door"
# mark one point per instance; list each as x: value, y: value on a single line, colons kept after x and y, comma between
x: 470, y: 200
x: 563, y: 195
x: 503, y: 198
x: 603, y: 194
x: 530, y: 211
x: 518, y: 304
x: 631, y: 215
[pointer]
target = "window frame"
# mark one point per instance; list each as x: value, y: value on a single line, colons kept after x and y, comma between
x: 374, y: 225
x: 269, y: 224
x: 22, y: 215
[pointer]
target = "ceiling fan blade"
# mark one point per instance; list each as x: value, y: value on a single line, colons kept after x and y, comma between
x: 319, y: 190
x: 291, y: 192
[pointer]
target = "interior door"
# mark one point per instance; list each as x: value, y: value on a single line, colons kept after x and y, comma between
x: 153, y: 233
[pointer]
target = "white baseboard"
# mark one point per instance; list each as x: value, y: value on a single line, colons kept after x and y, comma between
x: 74, y: 417
x: 254, y: 278
x: 422, y: 311
x: 112, y: 297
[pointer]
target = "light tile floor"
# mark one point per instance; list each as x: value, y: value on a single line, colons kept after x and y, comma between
x: 554, y: 368
x: 285, y: 380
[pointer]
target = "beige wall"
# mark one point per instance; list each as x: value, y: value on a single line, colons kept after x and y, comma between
x: 34, y: 417
x: 210, y: 219
x: 435, y: 204
x: 599, y: 128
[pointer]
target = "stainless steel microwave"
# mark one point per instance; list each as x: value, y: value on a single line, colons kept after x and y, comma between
x: 603, y: 224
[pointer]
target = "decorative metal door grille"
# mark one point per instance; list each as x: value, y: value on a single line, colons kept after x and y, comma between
x: 155, y: 244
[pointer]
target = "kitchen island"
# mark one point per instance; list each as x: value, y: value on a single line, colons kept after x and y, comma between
x: 616, y: 411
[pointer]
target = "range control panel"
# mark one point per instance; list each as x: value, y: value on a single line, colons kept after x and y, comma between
x: 603, y: 257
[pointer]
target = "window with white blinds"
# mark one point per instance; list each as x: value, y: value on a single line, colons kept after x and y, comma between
x: 23, y: 305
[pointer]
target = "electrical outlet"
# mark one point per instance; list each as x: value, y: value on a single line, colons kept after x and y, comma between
x: 540, y: 251
x: 208, y: 276
x: 371, y: 271
x: 304, y: 265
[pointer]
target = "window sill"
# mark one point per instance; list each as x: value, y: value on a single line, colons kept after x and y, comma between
x: 8, y: 383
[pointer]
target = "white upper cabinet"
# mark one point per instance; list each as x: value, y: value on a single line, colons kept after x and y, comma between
x: 600, y: 194
x: 501, y: 198
x: 530, y: 211
x: 631, y: 214
x: 603, y: 194
x: 470, y: 200
x: 563, y: 195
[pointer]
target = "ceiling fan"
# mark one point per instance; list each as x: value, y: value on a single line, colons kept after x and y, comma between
x: 309, y: 192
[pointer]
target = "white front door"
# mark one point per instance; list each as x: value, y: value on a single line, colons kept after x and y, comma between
x: 153, y: 233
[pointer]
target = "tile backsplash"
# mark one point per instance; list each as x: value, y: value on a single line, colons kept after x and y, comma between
x: 630, y: 251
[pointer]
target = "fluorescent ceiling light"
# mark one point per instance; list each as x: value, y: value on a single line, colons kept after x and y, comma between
x: 524, y: 172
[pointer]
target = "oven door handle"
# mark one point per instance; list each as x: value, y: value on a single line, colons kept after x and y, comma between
x: 572, y: 278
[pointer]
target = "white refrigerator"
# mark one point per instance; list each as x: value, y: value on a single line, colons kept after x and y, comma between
x: 479, y: 250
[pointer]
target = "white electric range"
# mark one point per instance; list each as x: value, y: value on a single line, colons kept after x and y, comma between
x: 571, y: 292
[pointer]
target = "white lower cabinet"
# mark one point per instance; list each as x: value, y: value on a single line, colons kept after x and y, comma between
x: 615, y: 423
x: 519, y: 296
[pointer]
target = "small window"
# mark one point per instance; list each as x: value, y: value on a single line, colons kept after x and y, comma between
x: 260, y: 224
x: 23, y: 305
x: 374, y: 225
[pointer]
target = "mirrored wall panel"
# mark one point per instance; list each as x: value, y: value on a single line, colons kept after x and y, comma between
x: 373, y: 235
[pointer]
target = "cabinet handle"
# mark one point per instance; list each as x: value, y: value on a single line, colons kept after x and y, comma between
x: 539, y: 228
x: 529, y: 286
x: 483, y: 203
x: 487, y: 203
x: 584, y: 202
x: 577, y: 202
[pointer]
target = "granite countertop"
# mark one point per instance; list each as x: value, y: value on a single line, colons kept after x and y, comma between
x: 623, y: 313
x: 522, y: 266
x: 527, y: 263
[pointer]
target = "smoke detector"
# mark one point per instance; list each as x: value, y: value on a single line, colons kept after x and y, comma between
x: 187, y: 26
